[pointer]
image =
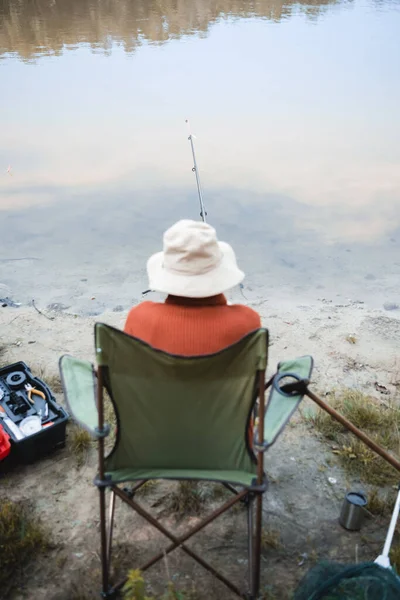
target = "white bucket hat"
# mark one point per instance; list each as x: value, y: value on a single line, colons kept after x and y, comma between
x: 194, y: 264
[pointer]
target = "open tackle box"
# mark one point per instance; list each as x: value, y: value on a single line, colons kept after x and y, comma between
x: 29, y: 415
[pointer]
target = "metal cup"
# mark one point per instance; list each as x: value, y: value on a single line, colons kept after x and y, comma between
x: 352, y: 513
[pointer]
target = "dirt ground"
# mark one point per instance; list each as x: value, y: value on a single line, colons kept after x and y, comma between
x: 353, y: 346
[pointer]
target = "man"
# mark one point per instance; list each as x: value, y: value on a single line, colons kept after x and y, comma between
x: 194, y: 269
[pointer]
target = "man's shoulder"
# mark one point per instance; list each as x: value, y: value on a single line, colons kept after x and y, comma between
x: 147, y: 305
x: 246, y: 313
x: 144, y: 309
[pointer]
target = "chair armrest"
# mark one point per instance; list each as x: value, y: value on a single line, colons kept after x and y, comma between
x: 288, y: 387
x: 79, y: 384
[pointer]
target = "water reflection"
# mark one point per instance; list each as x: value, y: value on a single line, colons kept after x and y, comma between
x: 30, y: 29
x: 296, y: 110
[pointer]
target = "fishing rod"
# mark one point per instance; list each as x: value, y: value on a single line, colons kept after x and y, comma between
x: 203, y: 213
x: 195, y: 170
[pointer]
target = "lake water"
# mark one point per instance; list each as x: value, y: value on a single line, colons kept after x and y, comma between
x: 295, y: 108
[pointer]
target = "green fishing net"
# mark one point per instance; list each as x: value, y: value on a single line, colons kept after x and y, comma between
x: 334, y: 581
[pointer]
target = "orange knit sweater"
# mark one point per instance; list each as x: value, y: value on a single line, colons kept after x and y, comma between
x: 191, y: 326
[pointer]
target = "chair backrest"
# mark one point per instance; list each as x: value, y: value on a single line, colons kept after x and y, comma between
x: 180, y: 412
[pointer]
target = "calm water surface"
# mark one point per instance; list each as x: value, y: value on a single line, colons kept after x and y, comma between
x: 295, y: 106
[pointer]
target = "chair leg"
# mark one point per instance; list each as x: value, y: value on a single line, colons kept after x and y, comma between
x: 178, y: 542
x: 103, y: 537
x: 110, y: 526
x: 250, y: 537
x: 257, y: 548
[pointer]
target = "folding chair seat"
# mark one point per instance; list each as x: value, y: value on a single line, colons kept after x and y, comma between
x: 182, y: 418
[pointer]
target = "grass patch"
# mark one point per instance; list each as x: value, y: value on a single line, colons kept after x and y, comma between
x: 21, y: 539
x: 53, y: 380
x: 361, y: 462
x: 111, y: 420
x: 109, y: 412
x: 325, y: 425
x: 216, y: 491
x: 80, y: 442
x: 135, y: 589
x: 148, y: 487
x: 394, y: 556
x: 54, y: 383
x: 271, y: 538
x: 187, y: 499
x: 380, y: 422
x: 380, y: 505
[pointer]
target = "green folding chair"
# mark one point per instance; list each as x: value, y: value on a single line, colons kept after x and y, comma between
x: 182, y: 418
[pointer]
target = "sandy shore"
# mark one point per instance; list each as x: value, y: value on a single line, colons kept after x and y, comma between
x: 300, y: 466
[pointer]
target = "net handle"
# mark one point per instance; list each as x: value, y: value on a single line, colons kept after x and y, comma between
x: 383, y: 559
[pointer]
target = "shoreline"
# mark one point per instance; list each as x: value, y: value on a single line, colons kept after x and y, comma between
x: 352, y: 345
